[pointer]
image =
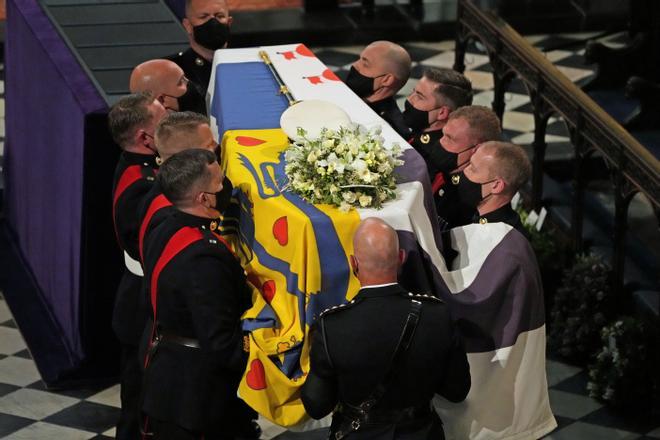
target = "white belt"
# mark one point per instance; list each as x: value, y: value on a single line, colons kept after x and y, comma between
x: 132, y: 265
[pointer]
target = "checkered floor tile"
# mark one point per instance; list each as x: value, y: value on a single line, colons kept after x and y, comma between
x: 29, y: 411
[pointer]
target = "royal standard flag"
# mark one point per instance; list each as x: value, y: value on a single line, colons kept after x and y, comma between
x: 278, y: 237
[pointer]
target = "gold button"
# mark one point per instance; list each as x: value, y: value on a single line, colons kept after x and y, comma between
x: 214, y: 225
x: 199, y: 61
x: 425, y: 138
x: 455, y: 179
x: 483, y: 220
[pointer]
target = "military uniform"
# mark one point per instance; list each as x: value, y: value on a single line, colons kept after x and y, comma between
x: 447, y: 204
x: 389, y: 110
x: 194, y: 66
x: 198, y: 293
x: 134, y: 176
x: 426, y: 145
x: 198, y: 70
x: 351, y: 351
x: 153, y: 210
x: 504, y: 214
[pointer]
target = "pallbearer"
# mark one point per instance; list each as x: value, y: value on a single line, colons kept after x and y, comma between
x: 198, y: 293
x: 207, y: 24
x: 380, y: 72
x: 378, y: 361
x: 132, y: 122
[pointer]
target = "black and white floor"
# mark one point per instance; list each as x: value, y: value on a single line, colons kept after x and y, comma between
x: 29, y: 411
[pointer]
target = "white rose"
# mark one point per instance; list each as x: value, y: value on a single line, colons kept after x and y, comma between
x: 365, y: 201
x: 328, y: 144
x: 349, y: 196
x: 344, y: 207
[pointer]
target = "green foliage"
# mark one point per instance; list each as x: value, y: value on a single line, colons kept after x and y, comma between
x: 583, y: 305
x: 625, y: 371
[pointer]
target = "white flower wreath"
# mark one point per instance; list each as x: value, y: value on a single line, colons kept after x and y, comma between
x: 349, y: 167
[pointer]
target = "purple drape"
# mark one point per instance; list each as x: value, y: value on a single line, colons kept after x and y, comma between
x: 47, y: 98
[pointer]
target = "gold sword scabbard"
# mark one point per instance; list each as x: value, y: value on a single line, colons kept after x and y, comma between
x: 283, y: 89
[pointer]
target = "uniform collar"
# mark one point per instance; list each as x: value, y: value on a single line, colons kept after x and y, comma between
x: 504, y: 214
x: 427, y: 138
x: 195, y: 221
x: 383, y: 105
x: 375, y: 292
x: 147, y: 160
x: 197, y: 58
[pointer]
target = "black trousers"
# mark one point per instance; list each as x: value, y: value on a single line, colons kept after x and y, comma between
x: 128, y: 426
x: 169, y: 431
x: 243, y: 427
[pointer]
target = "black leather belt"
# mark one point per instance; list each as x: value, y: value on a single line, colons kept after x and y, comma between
x: 178, y: 340
x: 381, y: 416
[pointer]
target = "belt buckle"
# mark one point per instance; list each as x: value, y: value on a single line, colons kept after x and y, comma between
x: 355, y: 425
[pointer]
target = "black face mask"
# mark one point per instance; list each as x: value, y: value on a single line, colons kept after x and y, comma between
x: 469, y: 192
x: 416, y: 119
x: 218, y: 157
x: 222, y: 197
x: 211, y: 34
x: 192, y: 100
x: 217, y: 195
x: 445, y: 161
x: 361, y: 85
x: 441, y: 160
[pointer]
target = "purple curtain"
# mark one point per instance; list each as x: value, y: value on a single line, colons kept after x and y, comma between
x: 48, y: 95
